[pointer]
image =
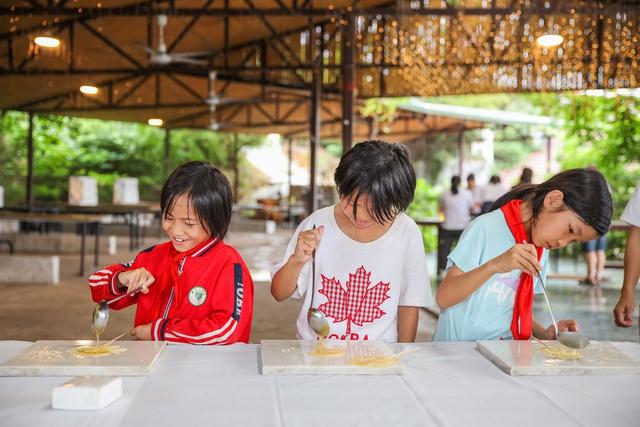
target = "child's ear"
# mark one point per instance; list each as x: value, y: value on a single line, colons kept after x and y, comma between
x: 554, y: 200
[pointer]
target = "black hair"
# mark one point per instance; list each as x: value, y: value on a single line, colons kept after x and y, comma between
x: 471, y: 177
x: 585, y: 193
x: 526, y: 177
x: 209, y: 194
x: 455, y: 183
x: 381, y: 171
x: 495, y: 179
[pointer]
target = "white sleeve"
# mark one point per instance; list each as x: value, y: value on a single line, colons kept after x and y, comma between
x: 303, y: 278
x: 631, y: 214
x: 416, y: 287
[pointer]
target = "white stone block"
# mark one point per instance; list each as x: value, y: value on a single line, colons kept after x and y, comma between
x: 113, y: 245
x: 125, y: 191
x: 83, y: 191
x: 20, y: 269
x: 86, y: 393
x: 270, y: 227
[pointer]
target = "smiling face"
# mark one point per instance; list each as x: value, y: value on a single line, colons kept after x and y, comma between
x: 364, y: 218
x: 557, y: 226
x: 182, y: 226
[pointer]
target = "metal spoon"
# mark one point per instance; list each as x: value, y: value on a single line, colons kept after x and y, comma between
x: 101, y: 313
x: 570, y: 339
x: 316, y: 318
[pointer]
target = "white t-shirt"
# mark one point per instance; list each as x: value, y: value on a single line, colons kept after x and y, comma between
x: 359, y: 286
x: 631, y: 214
x: 456, y: 209
x: 493, y: 192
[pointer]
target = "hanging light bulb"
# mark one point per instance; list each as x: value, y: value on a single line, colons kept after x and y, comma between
x: 550, y: 40
x: 155, y: 122
x: 88, y: 89
x: 47, y: 41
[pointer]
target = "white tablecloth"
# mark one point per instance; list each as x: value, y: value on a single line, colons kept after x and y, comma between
x: 448, y: 384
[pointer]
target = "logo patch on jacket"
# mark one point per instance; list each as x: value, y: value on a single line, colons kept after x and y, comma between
x: 197, y: 295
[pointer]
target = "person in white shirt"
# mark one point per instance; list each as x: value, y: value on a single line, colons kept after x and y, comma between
x: 623, y: 311
x: 456, y: 205
x: 476, y: 193
x: 370, y: 267
x: 492, y: 192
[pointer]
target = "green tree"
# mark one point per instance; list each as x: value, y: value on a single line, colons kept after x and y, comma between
x: 604, y: 132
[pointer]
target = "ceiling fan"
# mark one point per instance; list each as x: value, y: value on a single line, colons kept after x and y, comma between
x: 213, y: 125
x: 161, y: 56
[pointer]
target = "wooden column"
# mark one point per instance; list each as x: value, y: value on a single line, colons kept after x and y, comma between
x: 289, y: 160
x: 348, y: 81
x: 29, y: 183
x: 461, y: 153
x: 167, y: 152
x: 314, y: 138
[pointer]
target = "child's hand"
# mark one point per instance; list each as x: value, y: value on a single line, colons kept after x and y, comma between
x: 563, y: 325
x: 142, y: 332
x: 140, y: 279
x: 307, y: 242
x: 522, y: 256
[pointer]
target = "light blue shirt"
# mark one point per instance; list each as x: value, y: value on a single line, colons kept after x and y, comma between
x: 486, y: 313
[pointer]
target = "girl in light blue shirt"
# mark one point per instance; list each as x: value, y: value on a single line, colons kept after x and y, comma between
x: 487, y: 267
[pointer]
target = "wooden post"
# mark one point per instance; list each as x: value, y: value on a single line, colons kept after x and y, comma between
x: 289, y: 161
x: 29, y: 183
x: 236, y: 178
x: 167, y: 151
x: 314, y: 140
x: 348, y: 81
x: 461, y: 152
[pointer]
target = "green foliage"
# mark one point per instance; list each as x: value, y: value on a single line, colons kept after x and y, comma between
x: 425, y: 205
x: 380, y: 109
x: 106, y: 150
x: 604, y: 132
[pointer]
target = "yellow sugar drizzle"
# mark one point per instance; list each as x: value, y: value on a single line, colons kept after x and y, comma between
x: 96, y: 350
x: 374, y: 361
x: 323, y: 351
x: 560, y: 353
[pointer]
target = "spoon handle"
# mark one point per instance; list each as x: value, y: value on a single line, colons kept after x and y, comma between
x: 313, y: 274
x: 546, y: 298
x: 123, y: 296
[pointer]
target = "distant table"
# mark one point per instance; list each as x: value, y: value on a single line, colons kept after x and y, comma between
x: 130, y: 214
x: 82, y: 220
x: 445, y: 384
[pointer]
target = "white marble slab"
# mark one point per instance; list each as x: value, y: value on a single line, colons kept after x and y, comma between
x: 55, y: 358
x: 526, y: 358
x: 292, y: 357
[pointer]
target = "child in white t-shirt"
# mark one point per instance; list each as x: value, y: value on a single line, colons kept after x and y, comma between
x: 371, y: 273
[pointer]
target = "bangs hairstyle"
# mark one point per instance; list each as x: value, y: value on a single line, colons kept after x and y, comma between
x: 585, y: 192
x: 209, y: 194
x: 383, y: 173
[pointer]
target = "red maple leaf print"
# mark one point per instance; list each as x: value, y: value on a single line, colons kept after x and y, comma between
x: 358, y: 303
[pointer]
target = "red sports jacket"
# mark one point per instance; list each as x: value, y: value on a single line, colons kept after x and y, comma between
x: 204, y: 296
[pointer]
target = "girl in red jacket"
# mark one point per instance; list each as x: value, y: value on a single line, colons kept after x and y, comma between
x: 194, y: 288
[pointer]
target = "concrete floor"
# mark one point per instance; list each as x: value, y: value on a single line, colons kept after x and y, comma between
x: 63, y: 312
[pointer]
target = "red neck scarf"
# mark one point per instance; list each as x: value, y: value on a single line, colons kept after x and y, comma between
x: 522, y: 316
x: 169, y: 278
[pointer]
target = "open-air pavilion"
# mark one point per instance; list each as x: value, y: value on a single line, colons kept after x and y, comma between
x: 303, y: 69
